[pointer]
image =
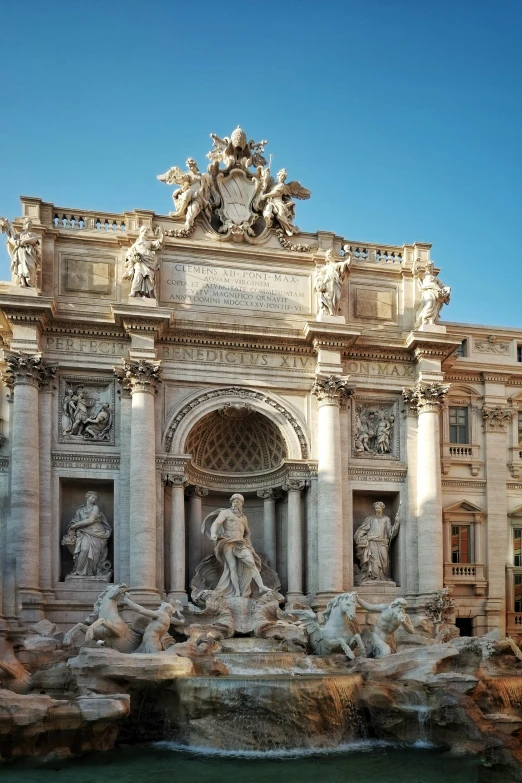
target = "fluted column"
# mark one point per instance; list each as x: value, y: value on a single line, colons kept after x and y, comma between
x: 46, y: 517
x: 25, y: 373
x: 269, y: 524
x: 195, y: 536
x: 293, y: 488
x: 142, y: 378
x: 428, y: 398
x: 330, y: 393
x: 177, y: 482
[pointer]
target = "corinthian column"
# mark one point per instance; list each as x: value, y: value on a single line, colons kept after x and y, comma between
x: 25, y: 374
x: 269, y: 524
x: 177, y: 482
x: 142, y: 378
x: 428, y: 398
x: 194, y: 533
x: 330, y: 392
x: 295, y: 540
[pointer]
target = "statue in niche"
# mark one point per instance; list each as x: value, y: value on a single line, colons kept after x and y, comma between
x: 373, y: 431
x: 234, y: 551
x: 391, y: 617
x: 155, y: 634
x: 24, y: 251
x: 328, y: 283
x: 141, y: 263
x: 87, y: 537
x: 279, y: 205
x: 434, y: 294
x: 193, y: 196
x: 372, y: 540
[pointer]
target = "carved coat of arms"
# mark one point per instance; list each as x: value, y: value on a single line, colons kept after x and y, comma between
x: 237, y: 197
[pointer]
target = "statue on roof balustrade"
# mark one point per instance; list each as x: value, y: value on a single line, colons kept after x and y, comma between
x: 142, y: 263
x: 24, y: 250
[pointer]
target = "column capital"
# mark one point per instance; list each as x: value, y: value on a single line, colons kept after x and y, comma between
x: 294, y: 485
x: 332, y: 389
x: 426, y: 397
x: 139, y: 376
x: 496, y: 418
x: 197, y: 492
x: 25, y: 368
x: 268, y: 494
x: 174, y: 480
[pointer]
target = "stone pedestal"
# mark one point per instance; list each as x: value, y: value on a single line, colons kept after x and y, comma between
x: 142, y: 377
x: 330, y: 391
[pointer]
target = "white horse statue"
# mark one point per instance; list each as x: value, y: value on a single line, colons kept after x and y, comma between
x: 105, y: 624
x: 338, y: 629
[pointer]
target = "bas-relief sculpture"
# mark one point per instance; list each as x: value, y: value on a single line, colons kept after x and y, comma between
x: 238, y: 203
x: 391, y: 617
x: 87, y: 537
x: 24, y: 251
x: 328, y: 283
x: 142, y: 263
x: 86, y: 413
x: 374, y: 430
x: 372, y: 540
x: 434, y: 294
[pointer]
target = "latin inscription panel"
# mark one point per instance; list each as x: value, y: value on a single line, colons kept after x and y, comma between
x: 208, y: 285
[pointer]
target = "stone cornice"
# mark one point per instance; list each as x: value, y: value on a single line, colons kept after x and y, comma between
x: 379, y: 354
x: 493, y: 376
x: 330, y: 335
x: 237, y: 343
x: 143, y: 326
x: 139, y: 376
x: 377, y: 474
x: 73, y: 328
x: 81, y: 460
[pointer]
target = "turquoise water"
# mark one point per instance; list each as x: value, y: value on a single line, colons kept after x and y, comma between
x: 162, y: 763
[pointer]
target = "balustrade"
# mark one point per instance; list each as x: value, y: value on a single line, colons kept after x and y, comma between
x: 375, y: 254
x: 89, y: 221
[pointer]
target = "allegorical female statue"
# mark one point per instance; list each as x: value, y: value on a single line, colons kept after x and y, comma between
x: 24, y: 250
x: 434, y: 294
x: 328, y: 283
x: 141, y: 263
x: 372, y: 541
x: 87, y: 537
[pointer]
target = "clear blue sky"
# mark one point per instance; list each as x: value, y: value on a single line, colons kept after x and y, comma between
x: 402, y: 116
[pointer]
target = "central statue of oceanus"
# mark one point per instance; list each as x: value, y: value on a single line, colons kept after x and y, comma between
x: 234, y: 570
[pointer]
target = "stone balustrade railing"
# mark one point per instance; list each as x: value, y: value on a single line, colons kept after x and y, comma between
x: 375, y: 254
x: 88, y: 221
x: 461, y: 451
x: 465, y: 573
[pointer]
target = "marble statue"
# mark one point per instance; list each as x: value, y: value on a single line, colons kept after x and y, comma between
x: 161, y: 619
x: 13, y: 674
x: 373, y: 431
x: 391, y: 617
x: 24, y: 251
x: 193, y: 195
x: 87, y: 536
x: 141, y: 263
x: 372, y: 539
x: 434, y: 294
x: 279, y: 205
x: 328, y: 283
x: 270, y: 622
x: 234, y: 550
x: 236, y: 151
x: 105, y: 625
x: 338, y: 629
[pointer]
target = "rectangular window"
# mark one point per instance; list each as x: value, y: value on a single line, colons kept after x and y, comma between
x: 517, y: 579
x: 462, y: 350
x: 517, y: 546
x: 458, y: 420
x: 519, y: 353
x: 460, y: 544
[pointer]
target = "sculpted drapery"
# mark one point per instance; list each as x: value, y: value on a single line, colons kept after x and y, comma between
x: 87, y: 537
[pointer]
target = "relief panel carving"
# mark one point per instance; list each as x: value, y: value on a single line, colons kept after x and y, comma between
x: 375, y: 428
x: 86, y: 410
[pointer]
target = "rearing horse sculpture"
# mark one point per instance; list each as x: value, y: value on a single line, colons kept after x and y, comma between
x: 105, y: 623
x: 338, y: 630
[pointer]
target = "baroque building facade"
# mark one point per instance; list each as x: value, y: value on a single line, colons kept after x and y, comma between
x: 155, y: 364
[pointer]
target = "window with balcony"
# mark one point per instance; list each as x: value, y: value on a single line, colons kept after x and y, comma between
x: 458, y: 424
x: 517, y: 592
x: 517, y: 546
x: 460, y: 544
